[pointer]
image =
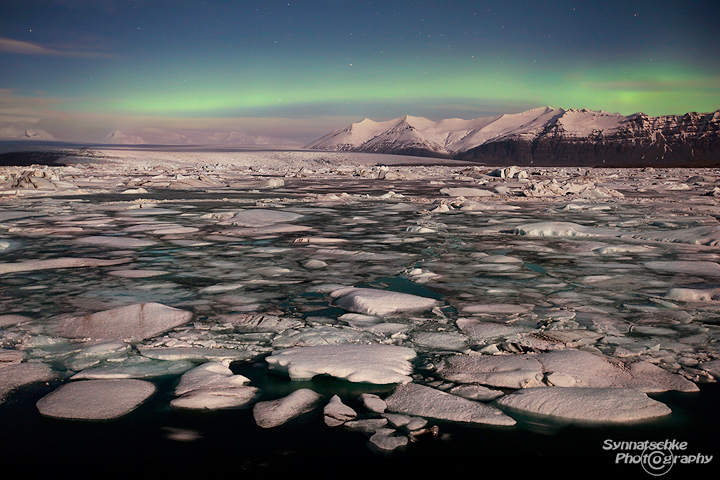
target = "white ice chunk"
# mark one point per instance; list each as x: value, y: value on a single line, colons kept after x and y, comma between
x: 595, y: 405
x: 476, y: 392
x: 466, y: 192
x: 486, y: 330
x: 208, y: 376
x: 373, y: 402
x: 508, y: 371
x: 19, y: 375
x: 147, y: 369
x: 95, y: 399
x: 419, y: 400
x: 56, y: 263
x: 496, y: 308
x: 196, y: 353
x: 693, y: 294
x: 440, y: 340
x: 261, y: 217
x: 314, y: 264
x: 132, y: 322
x: 336, y: 412
x: 321, y: 335
x: 372, y: 301
x: 116, y: 242
x: 11, y: 357
x: 374, y: 363
x: 706, y: 235
x: 213, y: 399
x: 13, y: 319
x: 139, y: 273
x: 273, y: 413
x: 579, y: 368
x: 561, y: 229
x: 686, y: 266
x: 387, y: 440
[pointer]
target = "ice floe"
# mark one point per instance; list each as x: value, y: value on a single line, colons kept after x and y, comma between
x: 273, y: 413
x: 212, y: 386
x: 424, y: 401
x: 466, y: 192
x: 260, y: 217
x: 57, y: 263
x: 591, y: 405
x: 95, y: 399
x: 689, y: 267
x: 337, y: 413
x: 567, y: 368
x: 372, y: 301
x: 132, y: 322
x: 116, y: 242
x: 373, y: 363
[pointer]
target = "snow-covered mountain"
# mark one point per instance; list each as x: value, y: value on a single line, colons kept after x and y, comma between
x: 158, y: 136
x: 16, y: 133
x: 119, y: 138
x: 542, y: 136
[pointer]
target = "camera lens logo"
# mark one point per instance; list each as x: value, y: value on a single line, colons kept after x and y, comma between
x: 657, y: 462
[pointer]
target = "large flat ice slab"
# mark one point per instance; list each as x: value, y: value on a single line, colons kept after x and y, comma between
x: 56, y: 263
x: 260, y: 217
x: 706, y: 235
x: 273, y: 413
x: 95, y: 399
x: 422, y: 401
x: 116, y: 242
x: 688, y: 267
x: 373, y: 301
x: 465, y: 192
x: 132, y: 322
x: 374, y: 363
x: 567, y: 368
x: 595, y: 405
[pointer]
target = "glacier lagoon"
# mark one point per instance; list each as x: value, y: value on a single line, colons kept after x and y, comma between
x: 162, y: 310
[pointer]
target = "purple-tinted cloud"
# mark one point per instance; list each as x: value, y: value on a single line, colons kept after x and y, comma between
x: 20, y: 47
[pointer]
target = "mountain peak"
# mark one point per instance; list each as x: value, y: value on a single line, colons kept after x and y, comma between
x: 579, y: 130
x: 18, y: 133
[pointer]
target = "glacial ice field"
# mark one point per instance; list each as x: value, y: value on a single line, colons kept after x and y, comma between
x: 166, y: 313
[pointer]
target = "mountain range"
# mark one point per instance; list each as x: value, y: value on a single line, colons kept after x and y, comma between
x: 542, y: 136
x: 157, y: 136
x: 16, y: 133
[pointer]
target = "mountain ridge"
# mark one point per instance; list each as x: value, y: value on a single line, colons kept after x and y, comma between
x: 541, y: 136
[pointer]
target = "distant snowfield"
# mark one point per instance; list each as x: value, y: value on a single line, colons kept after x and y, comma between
x: 432, y: 292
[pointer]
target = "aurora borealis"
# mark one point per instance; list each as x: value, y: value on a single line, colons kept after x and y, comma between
x: 298, y: 69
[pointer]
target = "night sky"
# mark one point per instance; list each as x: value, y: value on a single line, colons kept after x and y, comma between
x: 300, y: 68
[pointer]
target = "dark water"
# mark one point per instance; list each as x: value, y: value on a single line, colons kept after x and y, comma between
x: 228, y: 442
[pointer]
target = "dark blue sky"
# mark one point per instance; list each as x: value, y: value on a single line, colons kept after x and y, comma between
x: 299, y: 68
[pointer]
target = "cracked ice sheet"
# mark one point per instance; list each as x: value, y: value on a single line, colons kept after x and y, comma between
x: 605, y: 280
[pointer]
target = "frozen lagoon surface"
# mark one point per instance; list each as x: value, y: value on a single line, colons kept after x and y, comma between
x: 284, y: 312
